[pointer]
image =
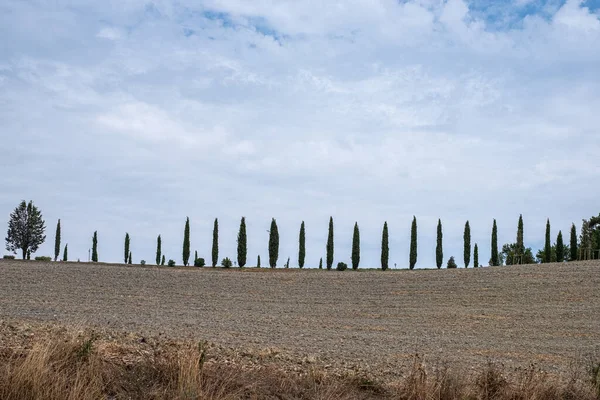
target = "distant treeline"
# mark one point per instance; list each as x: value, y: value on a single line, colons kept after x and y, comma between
x: 26, y: 232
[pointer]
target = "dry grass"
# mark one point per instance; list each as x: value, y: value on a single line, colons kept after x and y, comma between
x: 70, y: 366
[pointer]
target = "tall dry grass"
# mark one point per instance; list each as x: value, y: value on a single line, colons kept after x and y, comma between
x: 81, y: 368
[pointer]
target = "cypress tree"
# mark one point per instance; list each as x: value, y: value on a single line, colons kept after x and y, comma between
x: 129, y: 260
x: 560, y: 248
x: 520, y: 250
x: 413, y: 243
x: 186, y: 242
x: 548, y: 244
x: 95, y: 247
x: 158, y: 249
x: 355, y: 247
x: 258, y: 261
x: 321, y: 263
x: 573, y: 245
x: 57, y: 241
x: 301, y: 246
x: 162, y: 260
x: 215, y: 243
x: 242, y: 241
x: 385, y: 248
x: 273, y: 244
x: 329, y: 258
x: 127, y: 252
x: 467, y: 245
x: 195, y: 257
x: 475, y: 256
x: 439, y: 251
x: 66, y: 253
x: 495, y: 260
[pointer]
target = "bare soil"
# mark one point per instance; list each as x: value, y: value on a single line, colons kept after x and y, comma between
x: 356, y: 320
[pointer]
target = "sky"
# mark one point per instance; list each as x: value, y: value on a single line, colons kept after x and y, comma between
x: 129, y: 116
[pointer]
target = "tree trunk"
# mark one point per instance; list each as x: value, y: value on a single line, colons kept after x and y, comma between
x: 24, y: 253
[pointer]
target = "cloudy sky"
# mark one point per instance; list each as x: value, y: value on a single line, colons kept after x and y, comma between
x: 127, y: 116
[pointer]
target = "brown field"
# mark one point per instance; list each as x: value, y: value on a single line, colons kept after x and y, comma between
x: 367, y: 322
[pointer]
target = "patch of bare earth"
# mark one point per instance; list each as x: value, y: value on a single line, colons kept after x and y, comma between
x: 364, y: 322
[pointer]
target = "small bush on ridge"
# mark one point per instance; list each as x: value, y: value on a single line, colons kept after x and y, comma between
x: 226, y: 263
x: 9, y: 257
x: 43, y: 258
x: 342, y: 266
x: 143, y: 262
x: 199, y: 262
x: 451, y: 263
x: 171, y: 263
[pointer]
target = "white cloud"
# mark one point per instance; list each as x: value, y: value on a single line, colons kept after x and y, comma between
x: 109, y: 33
x: 574, y: 16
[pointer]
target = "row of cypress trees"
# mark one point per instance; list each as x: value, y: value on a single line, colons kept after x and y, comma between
x: 550, y: 253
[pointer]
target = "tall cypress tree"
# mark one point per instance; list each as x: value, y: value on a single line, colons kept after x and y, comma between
x: 66, y: 253
x: 355, y: 247
x: 158, y: 249
x: 495, y: 259
x: 475, y: 256
x: 520, y: 250
x: 329, y: 258
x: 57, y: 241
x: 242, y: 242
x: 162, y: 260
x: 301, y: 246
x: 195, y: 257
x: 548, y: 244
x: 560, y: 248
x: 385, y: 247
x: 215, y: 243
x: 573, y: 244
x: 273, y: 244
x: 413, y: 243
x: 129, y: 259
x: 321, y: 263
x: 439, y: 251
x: 186, y: 242
x: 95, y: 247
x: 126, y: 252
x: 258, y: 261
x: 467, y: 244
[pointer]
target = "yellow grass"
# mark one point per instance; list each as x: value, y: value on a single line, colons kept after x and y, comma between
x: 80, y: 366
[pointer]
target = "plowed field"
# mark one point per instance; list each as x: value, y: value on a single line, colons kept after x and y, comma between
x: 547, y: 314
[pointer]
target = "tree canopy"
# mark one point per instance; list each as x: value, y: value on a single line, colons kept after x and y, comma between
x: 26, y: 229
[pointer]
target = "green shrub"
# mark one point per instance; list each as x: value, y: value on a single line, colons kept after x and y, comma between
x: 226, y: 262
x: 341, y: 266
x: 451, y: 263
x: 199, y: 262
x: 171, y: 263
x: 9, y: 257
x: 143, y: 262
x: 43, y: 258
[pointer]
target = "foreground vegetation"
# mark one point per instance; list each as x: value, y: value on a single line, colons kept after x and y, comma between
x: 64, y: 365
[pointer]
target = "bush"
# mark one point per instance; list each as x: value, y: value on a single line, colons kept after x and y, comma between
x: 143, y: 262
x: 9, y: 257
x: 451, y: 263
x: 341, y: 266
x: 226, y: 262
x: 171, y: 263
x: 43, y: 258
x: 199, y: 262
